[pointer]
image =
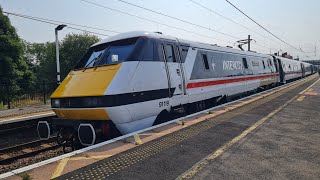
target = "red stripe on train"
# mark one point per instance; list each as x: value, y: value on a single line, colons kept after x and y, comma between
x: 226, y: 81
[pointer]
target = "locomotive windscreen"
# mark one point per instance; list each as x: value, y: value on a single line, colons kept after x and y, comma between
x: 108, y: 53
x: 117, y: 51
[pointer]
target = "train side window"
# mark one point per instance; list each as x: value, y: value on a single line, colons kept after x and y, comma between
x: 275, y: 65
x: 169, y: 51
x: 245, y: 63
x: 205, y: 61
x: 264, y: 66
x: 270, y: 62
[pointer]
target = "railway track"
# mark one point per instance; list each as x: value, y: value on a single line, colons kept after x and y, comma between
x: 21, y: 132
x: 26, y: 150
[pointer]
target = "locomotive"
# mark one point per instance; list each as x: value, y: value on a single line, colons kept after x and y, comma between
x: 135, y: 80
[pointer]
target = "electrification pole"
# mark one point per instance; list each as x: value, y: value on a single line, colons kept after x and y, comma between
x: 58, y: 28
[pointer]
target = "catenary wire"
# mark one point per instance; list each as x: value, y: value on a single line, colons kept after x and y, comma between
x: 229, y: 19
x: 263, y: 27
x: 175, y: 18
x: 153, y: 21
x: 150, y: 10
x: 55, y: 22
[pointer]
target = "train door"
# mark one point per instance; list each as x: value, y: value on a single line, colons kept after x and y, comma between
x: 276, y: 65
x: 303, y: 70
x: 281, y: 72
x: 175, y: 73
x: 246, y: 71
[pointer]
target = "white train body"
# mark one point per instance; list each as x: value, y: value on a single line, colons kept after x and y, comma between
x: 168, y: 74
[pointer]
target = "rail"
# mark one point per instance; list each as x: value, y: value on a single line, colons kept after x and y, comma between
x: 10, y: 154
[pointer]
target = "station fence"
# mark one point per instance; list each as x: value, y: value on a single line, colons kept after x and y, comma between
x: 25, y: 94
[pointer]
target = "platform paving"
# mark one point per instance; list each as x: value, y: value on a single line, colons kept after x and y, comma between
x: 174, y: 150
x: 24, y: 111
x: 284, y: 147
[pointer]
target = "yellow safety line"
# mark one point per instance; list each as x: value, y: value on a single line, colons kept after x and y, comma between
x: 137, y: 139
x: 59, y: 169
x: 196, y: 168
x: 309, y: 86
x: 301, y: 98
x: 57, y: 172
x: 90, y: 157
x: 151, y: 134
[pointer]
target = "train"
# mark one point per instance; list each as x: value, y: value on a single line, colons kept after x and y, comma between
x: 138, y: 79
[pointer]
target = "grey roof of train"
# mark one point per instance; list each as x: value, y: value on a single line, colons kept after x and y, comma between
x: 158, y: 35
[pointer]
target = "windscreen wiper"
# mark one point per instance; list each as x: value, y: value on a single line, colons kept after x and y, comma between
x: 93, y: 60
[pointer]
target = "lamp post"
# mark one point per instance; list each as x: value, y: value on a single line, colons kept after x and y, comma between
x: 58, y: 28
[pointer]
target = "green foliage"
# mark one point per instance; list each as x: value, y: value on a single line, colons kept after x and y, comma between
x: 73, y: 47
x: 24, y: 66
x: 14, y: 69
x: 25, y: 176
x: 43, y: 57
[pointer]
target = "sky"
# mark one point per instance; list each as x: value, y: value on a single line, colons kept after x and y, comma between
x: 294, y: 21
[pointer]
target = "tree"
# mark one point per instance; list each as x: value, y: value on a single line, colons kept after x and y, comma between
x: 73, y: 47
x: 42, y: 60
x: 42, y: 56
x: 13, y: 66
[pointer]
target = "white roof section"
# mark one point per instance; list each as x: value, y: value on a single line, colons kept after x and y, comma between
x: 192, y: 43
x: 135, y: 34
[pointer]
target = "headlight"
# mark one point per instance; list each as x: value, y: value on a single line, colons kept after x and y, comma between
x: 55, y: 103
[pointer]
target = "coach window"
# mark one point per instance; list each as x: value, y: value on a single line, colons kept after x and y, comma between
x: 169, y: 51
x: 270, y: 62
x: 245, y: 63
x: 205, y: 61
x: 264, y: 66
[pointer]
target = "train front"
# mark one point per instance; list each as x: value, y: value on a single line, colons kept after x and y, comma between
x: 82, y: 100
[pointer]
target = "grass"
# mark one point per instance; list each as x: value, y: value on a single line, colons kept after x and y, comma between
x: 2, y: 106
x: 25, y: 176
x: 26, y: 101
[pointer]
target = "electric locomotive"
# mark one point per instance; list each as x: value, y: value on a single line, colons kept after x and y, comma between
x: 134, y: 80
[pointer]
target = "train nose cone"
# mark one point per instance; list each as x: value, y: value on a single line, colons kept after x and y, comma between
x: 75, y: 96
x: 88, y: 82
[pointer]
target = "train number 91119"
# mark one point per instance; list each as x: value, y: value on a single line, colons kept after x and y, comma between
x: 163, y: 103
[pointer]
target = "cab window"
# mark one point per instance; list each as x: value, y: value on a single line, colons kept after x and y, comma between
x: 169, y: 53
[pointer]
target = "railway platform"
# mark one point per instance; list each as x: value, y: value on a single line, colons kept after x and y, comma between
x: 271, y: 135
x: 25, y: 113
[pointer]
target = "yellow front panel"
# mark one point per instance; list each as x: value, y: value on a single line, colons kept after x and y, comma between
x: 82, y: 114
x: 88, y: 82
